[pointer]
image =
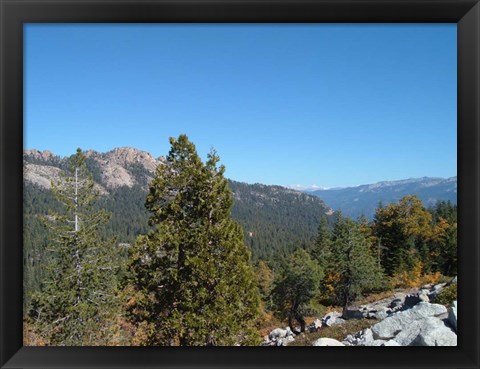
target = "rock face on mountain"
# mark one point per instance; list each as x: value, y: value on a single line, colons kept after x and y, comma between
x: 124, y: 166
x: 41, y: 175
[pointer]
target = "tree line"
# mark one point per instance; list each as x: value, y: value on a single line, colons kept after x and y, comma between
x: 189, y: 279
x: 404, y: 246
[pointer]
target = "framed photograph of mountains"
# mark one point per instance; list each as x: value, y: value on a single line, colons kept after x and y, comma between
x: 265, y: 178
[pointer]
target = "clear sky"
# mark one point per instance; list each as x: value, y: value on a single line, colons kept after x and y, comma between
x: 331, y: 105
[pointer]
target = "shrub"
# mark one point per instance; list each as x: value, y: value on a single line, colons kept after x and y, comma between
x: 447, y: 295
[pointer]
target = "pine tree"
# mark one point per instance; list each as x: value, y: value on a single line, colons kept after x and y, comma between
x: 193, y: 273
x: 265, y: 278
x: 323, y: 243
x: 77, y: 302
x: 295, y: 287
x: 356, y: 267
x: 403, y: 229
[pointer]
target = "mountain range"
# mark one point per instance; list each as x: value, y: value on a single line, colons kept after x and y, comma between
x: 364, y: 199
x: 275, y: 219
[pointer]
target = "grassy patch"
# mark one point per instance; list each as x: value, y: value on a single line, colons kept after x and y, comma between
x: 338, y: 332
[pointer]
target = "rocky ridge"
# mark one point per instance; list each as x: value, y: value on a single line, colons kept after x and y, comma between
x: 115, y: 168
x: 404, y: 319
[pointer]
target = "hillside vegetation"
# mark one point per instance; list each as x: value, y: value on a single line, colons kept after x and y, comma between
x: 125, y: 249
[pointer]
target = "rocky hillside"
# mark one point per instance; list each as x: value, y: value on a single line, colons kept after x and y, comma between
x: 275, y: 219
x: 124, y: 166
x: 410, y: 318
x: 364, y: 199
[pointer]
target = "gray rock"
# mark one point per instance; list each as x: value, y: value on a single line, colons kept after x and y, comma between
x: 391, y: 343
x: 382, y: 313
x: 278, y: 333
x: 349, y: 340
x: 285, y: 341
x: 424, y: 297
x: 391, y: 326
x: 315, y: 326
x: 327, y: 342
x: 434, y: 332
x: 331, y: 318
x: 362, y: 338
x: 409, y: 334
x: 452, y: 315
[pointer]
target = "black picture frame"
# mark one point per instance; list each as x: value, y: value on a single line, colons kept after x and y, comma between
x: 14, y: 13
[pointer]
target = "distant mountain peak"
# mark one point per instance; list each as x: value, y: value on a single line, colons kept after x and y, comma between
x: 122, y: 166
x: 364, y: 199
x: 44, y: 155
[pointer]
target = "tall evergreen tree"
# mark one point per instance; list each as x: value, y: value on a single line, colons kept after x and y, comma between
x: 323, y: 243
x: 403, y: 229
x: 356, y: 267
x: 295, y: 287
x: 77, y: 303
x: 265, y: 279
x: 193, y: 273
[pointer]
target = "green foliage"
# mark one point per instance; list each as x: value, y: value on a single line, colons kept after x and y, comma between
x: 402, y: 230
x: 193, y: 273
x: 265, y: 279
x: 295, y: 287
x: 322, y: 249
x: 276, y: 220
x: 76, y: 303
x: 443, y: 243
x: 409, y: 235
x: 355, y: 268
x: 447, y: 295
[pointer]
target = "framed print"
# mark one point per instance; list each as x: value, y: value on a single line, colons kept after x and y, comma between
x: 265, y: 178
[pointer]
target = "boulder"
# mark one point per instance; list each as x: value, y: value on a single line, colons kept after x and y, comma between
x: 409, y: 334
x: 382, y: 313
x: 391, y: 326
x: 278, y: 333
x: 331, y: 318
x: 285, y: 341
x: 391, y: 343
x: 327, y: 342
x: 315, y: 326
x: 425, y: 297
x: 362, y: 338
x: 434, y: 332
x: 452, y: 315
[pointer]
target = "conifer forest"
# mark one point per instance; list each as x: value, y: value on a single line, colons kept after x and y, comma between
x: 188, y: 257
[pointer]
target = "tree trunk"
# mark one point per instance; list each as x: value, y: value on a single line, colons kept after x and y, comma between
x: 345, y: 305
x: 302, y: 322
x: 290, y: 322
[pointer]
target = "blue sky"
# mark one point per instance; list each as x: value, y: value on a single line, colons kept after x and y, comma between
x: 331, y: 105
